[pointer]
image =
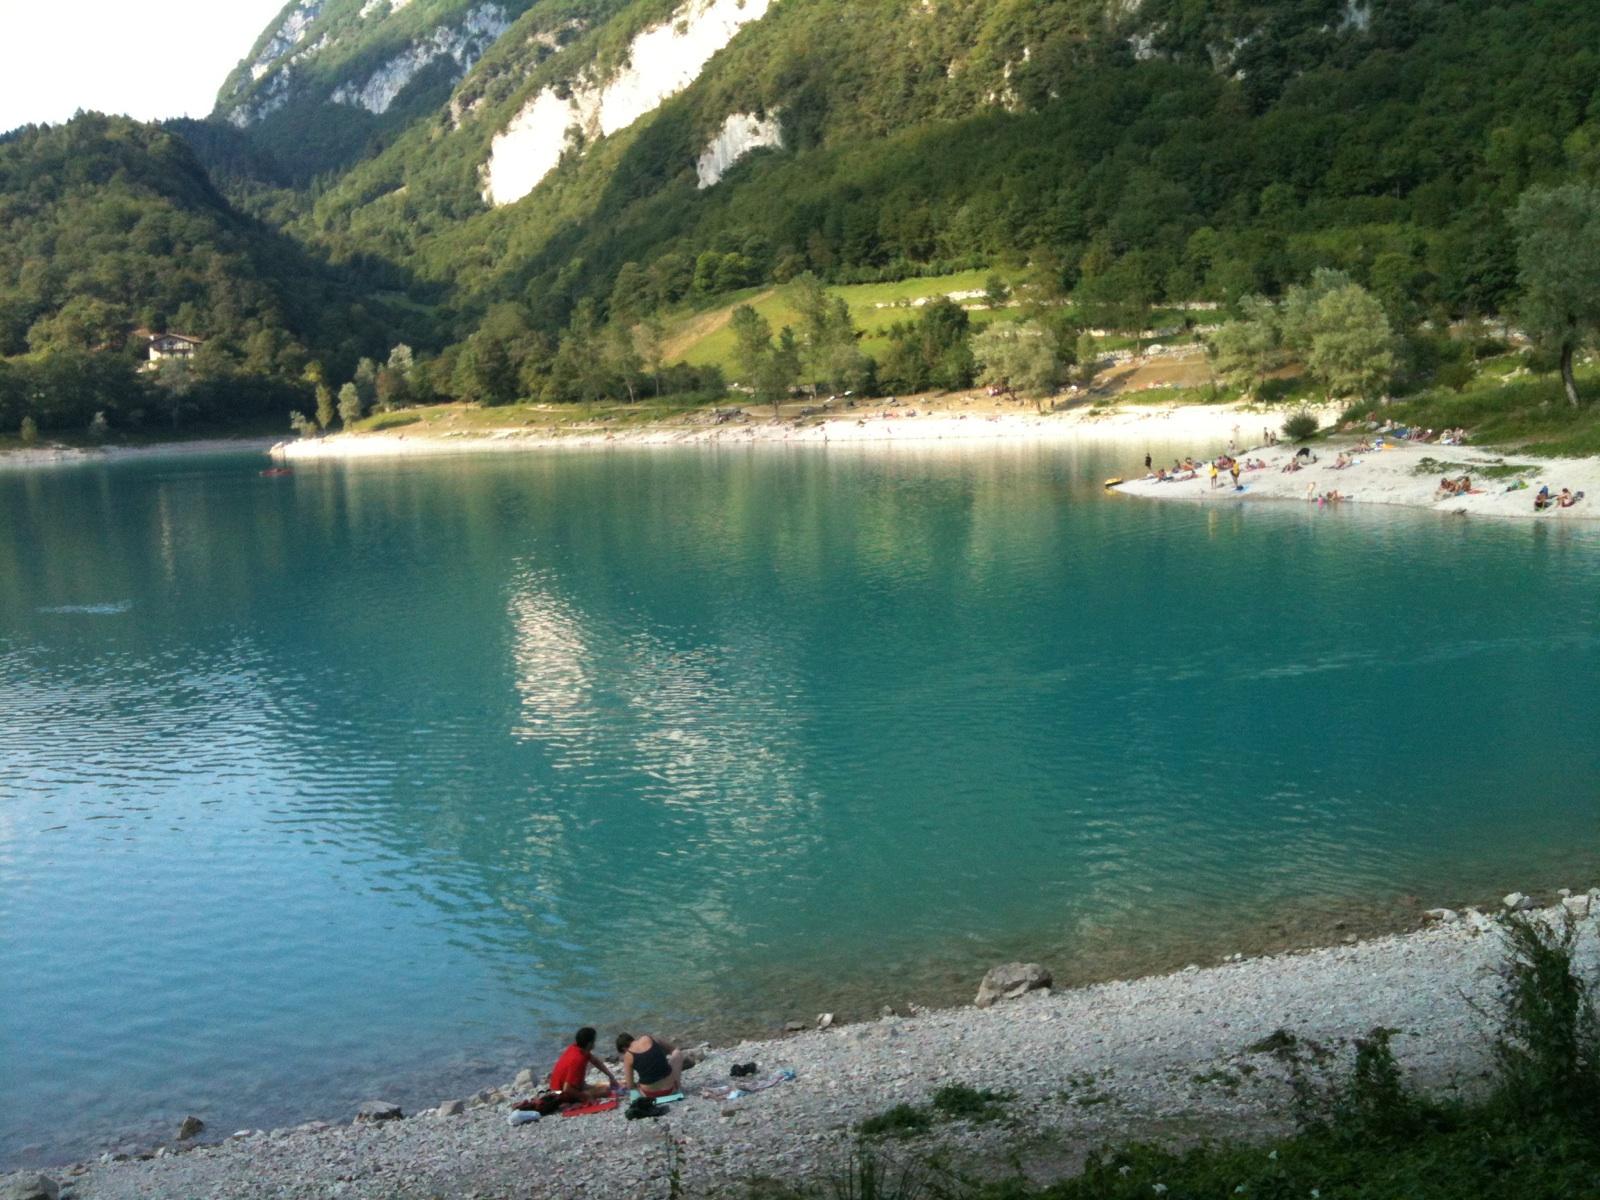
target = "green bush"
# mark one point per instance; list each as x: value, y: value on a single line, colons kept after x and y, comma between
x: 1548, y: 1052
x: 1302, y: 426
x: 959, y: 1102
x: 903, y: 1120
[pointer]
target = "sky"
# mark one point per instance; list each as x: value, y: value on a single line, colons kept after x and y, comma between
x: 57, y: 56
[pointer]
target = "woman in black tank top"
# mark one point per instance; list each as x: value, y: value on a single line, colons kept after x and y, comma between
x: 651, y: 1064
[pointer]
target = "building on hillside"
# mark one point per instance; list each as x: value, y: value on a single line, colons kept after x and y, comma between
x: 173, y: 345
x: 169, y: 345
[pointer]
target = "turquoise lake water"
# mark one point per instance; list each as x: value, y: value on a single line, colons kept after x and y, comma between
x: 373, y: 782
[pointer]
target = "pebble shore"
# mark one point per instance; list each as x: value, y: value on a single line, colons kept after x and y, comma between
x: 1166, y: 1058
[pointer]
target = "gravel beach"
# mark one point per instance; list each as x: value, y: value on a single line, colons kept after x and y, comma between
x: 1164, y: 1058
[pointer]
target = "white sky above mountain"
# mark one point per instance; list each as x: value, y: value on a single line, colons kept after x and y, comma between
x: 149, y: 62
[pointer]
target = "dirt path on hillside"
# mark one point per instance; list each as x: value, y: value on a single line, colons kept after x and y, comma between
x: 702, y: 327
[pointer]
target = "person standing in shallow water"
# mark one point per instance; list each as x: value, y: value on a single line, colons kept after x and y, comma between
x: 651, y: 1064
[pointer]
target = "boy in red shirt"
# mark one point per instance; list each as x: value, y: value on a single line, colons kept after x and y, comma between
x: 572, y: 1069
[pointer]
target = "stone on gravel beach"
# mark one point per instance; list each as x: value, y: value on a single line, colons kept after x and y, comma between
x: 192, y: 1127
x: 1010, y: 980
x: 374, y: 1111
x: 29, y: 1186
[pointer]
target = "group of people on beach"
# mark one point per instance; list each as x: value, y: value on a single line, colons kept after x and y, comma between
x: 1543, y: 499
x: 650, y: 1065
x: 1444, y: 437
x: 1188, y: 468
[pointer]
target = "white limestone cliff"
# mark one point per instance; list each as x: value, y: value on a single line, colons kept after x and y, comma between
x: 661, y: 61
x: 288, y: 35
x: 463, y: 43
x: 740, y: 134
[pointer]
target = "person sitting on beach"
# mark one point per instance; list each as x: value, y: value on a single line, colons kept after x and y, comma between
x: 1447, y: 485
x: 570, y: 1077
x: 1542, y: 499
x: 1567, y: 499
x: 650, y: 1064
x: 1341, y: 462
x: 1291, y: 466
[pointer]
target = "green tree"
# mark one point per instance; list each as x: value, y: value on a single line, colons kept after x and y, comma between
x: 366, y: 381
x: 752, y: 342
x: 622, y: 359
x: 1088, y: 356
x: 1244, y: 351
x: 302, y: 424
x: 350, y: 405
x: 630, y: 294
x: 779, y: 370
x: 1018, y: 356
x: 1558, y: 268
x: 390, y: 389
x: 1352, y: 349
x: 996, y: 292
x: 29, y: 431
x: 402, y: 361
x: 830, y: 357
x: 324, y: 414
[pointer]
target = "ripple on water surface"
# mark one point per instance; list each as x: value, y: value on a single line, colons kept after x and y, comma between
x: 382, y: 782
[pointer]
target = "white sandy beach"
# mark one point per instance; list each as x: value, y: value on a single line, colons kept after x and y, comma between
x: 1207, y: 427
x: 1398, y: 475
x: 1166, y: 1058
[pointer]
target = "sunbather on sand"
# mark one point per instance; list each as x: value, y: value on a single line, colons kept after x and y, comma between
x: 1567, y: 499
x: 1542, y: 499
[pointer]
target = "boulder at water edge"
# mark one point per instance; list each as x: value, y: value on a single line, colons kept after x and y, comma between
x: 378, y: 1110
x: 28, y: 1187
x: 192, y: 1127
x: 1010, y: 980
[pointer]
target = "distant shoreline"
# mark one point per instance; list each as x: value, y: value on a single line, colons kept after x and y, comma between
x: 76, y: 456
x: 878, y: 425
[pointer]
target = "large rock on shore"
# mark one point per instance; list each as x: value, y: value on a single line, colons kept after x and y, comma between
x: 374, y: 1111
x: 1010, y: 980
x: 28, y: 1186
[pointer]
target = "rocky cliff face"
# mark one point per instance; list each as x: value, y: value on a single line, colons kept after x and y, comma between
x: 661, y: 60
x: 361, y: 55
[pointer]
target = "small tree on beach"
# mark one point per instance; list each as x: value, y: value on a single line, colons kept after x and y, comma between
x: 302, y: 424
x: 349, y: 405
x: 324, y: 415
x: 1018, y: 356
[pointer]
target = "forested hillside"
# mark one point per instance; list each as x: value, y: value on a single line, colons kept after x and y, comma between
x: 523, y: 189
x: 108, y: 226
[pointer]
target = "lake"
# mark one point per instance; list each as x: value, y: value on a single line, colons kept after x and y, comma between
x: 377, y: 780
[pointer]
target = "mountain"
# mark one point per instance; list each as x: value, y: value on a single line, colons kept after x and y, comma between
x: 508, y: 184
x: 1179, y: 148
x: 330, y: 80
